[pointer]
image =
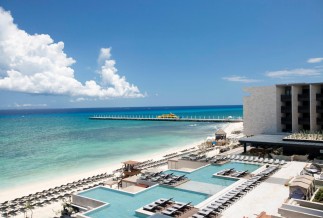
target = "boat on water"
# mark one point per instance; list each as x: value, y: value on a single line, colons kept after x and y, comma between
x: 168, y: 116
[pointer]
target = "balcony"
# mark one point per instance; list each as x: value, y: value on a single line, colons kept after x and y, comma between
x: 304, y: 120
x: 286, y: 109
x: 286, y: 130
x: 286, y: 120
x: 319, y: 121
x: 319, y: 109
x: 319, y: 97
x: 303, y: 97
x: 285, y: 97
x: 304, y: 109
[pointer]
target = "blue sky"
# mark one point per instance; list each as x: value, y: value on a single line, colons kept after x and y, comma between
x: 153, y: 53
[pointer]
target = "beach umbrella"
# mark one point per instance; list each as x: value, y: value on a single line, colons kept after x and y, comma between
x: 21, y: 202
x: 117, y: 174
x: 3, y: 208
x: 42, y: 197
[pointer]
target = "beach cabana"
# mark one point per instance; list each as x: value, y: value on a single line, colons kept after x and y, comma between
x: 220, y: 135
x: 302, y: 184
x: 129, y: 168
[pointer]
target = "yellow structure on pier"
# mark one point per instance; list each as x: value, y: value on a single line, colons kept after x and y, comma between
x: 168, y: 116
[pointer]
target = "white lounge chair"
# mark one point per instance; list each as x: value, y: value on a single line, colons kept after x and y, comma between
x: 237, y: 157
x: 228, y: 156
x: 266, y: 160
x: 276, y: 161
x: 260, y: 160
x: 242, y: 157
x: 246, y: 158
x: 251, y: 159
x: 271, y: 161
x: 256, y: 159
x: 232, y: 157
x: 282, y: 162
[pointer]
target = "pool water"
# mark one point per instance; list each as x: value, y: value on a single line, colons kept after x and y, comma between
x: 125, y: 204
x: 205, y: 174
x: 122, y: 204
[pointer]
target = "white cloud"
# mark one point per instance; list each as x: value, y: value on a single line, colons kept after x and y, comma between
x: 294, y: 73
x: 314, y: 60
x: 241, y: 79
x: 105, y: 53
x: 35, y: 64
x: 29, y: 105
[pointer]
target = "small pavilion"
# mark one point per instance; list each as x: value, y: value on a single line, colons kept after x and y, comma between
x: 302, y: 185
x: 129, y: 168
x: 220, y: 135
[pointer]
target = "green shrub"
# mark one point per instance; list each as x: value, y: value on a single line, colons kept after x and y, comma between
x: 319, y: 196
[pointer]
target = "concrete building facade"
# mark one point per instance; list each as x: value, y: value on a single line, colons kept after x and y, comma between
x: 283, y: 108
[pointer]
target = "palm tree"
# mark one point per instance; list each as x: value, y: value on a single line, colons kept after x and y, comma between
x: 28, y: 206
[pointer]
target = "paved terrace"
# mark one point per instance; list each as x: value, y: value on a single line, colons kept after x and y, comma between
x: 267, y: 196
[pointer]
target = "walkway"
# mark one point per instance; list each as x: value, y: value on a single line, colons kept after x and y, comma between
x: 267, y: 196
x: 152, y: 118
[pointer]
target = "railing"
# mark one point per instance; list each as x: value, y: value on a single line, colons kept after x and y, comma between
x: 319, y: 109
x: 286, y: 97
x: 303, y: 97
x: 286, y: 109
x: 286, y: 120
x: 304, y: 120
x: 319, y: 96
x: 303, y: 108
x: 155, y: 118
x: 286, y: 130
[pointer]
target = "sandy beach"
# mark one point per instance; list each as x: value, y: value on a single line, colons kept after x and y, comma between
x: 10, y: 194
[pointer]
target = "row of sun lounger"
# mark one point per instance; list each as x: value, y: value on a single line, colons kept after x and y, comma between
x: 177, y: 209
x: 161, y: 178
x: 232, y: 173
x: 218, y: 158
x: 225, y: 200
x: 51, y: 195
x: 163, y: 161
x: 194, y: 157
x: 225, y: 172
x: 168, y: 207
x: 220, y: 203
x: 268, y: 171
x: 239, y: 173
x: 204, y: 158
x: 256, y: 159
x: 158, y: 205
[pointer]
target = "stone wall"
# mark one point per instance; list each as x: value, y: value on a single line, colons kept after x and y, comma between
x: 259, y: 111
x: 86, y: 202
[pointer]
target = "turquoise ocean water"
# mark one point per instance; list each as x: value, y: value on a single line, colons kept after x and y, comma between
x: 38, y: 145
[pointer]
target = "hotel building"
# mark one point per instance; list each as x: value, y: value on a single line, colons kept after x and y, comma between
x: 283, y: 108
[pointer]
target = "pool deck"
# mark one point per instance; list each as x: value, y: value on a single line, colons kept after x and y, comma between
x: 267, y: 196
x: 201, y: 187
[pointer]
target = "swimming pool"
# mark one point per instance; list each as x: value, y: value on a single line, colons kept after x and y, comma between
x: 123, y: 204
x: 205, y: 174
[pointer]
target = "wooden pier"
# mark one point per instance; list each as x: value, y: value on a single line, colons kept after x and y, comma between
x: 153, y: 118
